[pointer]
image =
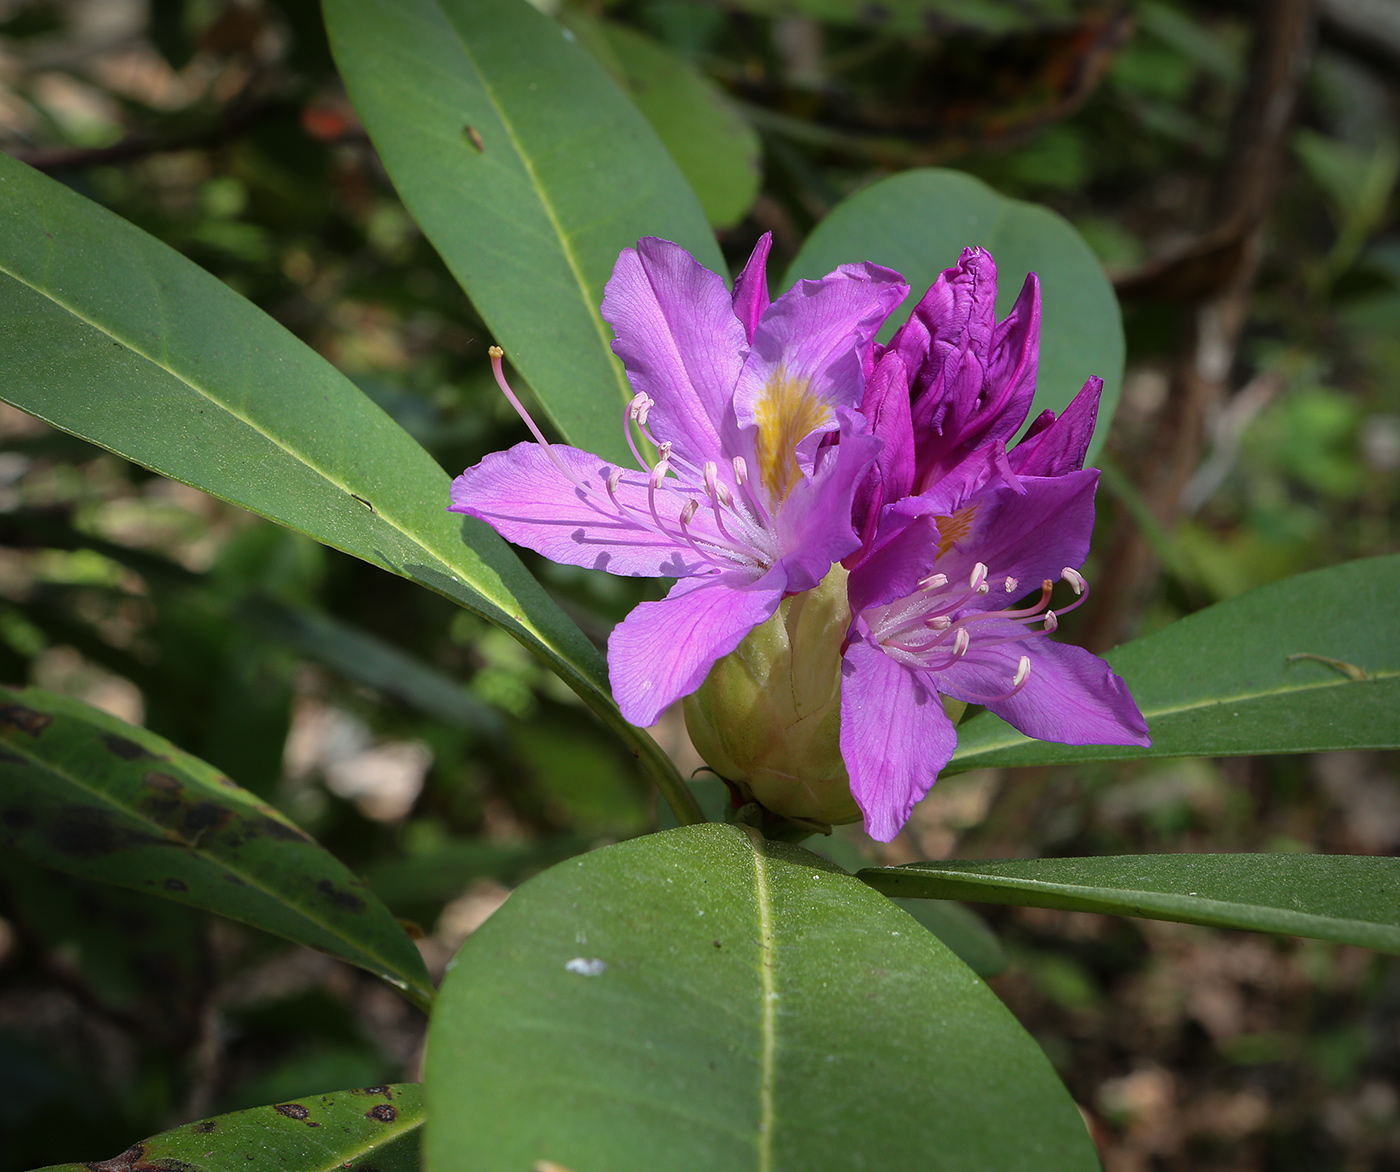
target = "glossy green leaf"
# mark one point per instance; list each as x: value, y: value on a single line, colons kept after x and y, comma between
x: 918, y: 222
x: 696, y: 1000
x: 966, y: 933
x: 1350, y: 899
x: 529, y: 170
x: 371, y: 1130
x: 1303, y: 665
x: 116, y: 338
x: 87, y: 793
x: 718, y: 152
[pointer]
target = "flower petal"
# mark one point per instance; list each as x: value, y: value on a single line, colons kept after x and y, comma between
x: 886, y: 408
x: 680, y: 342
x: 816, y: 335
x: 664, y: 650
x: 751, y: 286
x: 1072, y: 696
x: 895, y: 737
x: 1059, y: 445
x: 528, y: 499
x: 890, y: 569
x: 814, y: 526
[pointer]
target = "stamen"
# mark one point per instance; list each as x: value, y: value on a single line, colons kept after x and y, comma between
x: 933, y: 582
x: 1052, y: 622
x: 741, y: 471
x: 497, y: 354
x: 938, y: 622
x: 979, y: 577
x: 1023, y: 671
x: 692, y: 506
x: 658, y: 474
x: 711, y: 472
x: 961, y: 641
x: 1011, y: 584
x: 614, y: 479
x: 1074, y: 578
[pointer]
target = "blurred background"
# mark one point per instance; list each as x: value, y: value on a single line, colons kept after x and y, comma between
x: 1233, y: 164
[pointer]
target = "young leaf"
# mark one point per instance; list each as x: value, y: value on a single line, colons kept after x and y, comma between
x: 918, y: 222
x: 1303, y: 665
x: 1350, y: 899
x: 118, y: 339
x: 371, y: 1130
x: 698, y: 1000
x: 84, y: 792
x: 529, y: 170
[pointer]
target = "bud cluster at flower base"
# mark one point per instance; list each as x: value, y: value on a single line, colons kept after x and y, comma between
x: 855, y: 542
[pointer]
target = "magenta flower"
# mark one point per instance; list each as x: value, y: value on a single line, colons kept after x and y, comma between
x: 745, y: 503
x: 933, y: 600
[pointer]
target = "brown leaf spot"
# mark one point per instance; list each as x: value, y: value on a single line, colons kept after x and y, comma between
x: 26, y: 720
x: 85, y: 832
x: 123, y: 748
x: 123, y: 1163
x: 277, y: 829
x: 342, y: 899
x: 162, y: 781
x: 173, y: 884
x: 204, y: 816
x: 293, y: 1111
x: 474, y: 135
x: 382, y: 1113
x: 205, y: 1126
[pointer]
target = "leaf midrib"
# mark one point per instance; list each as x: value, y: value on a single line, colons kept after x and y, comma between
x: 768, y: 1018
x: 295, y: 454
x: 565, y: 240
x: 1158, y: 901
x: 1015, y: 739
x: 247, y: 877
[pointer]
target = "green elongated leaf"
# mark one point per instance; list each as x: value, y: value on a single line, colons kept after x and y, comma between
x: 1350, y: 899
x: 118, y: 339
x: 529, y: 170
x: 966, y: 933
x: 697, y: 999
x: 918, y: 222
x: 1302, y: 665
x: 718, y: 152
x: 86, y: 793
x: 371, y: 1130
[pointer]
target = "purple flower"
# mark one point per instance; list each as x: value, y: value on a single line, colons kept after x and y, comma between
x: 749, y: 498
x: 933, y: 601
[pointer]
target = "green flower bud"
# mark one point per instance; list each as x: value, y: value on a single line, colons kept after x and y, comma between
x: 768, y: 716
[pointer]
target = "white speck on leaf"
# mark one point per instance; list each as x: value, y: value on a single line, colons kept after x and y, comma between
x: 587, y: 966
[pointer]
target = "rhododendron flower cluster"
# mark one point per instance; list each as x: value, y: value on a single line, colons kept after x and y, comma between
x: 788, y: 440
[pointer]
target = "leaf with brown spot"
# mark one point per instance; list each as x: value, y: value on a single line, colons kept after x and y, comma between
x: 68, y: 800
x: 278, y: 1137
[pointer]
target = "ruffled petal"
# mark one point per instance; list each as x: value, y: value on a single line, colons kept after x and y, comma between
x: 895, y: 737
x: 751, y: 286
x: 808, y: 350
x: 664, y: 650
x: 1056, y: 446
x: 680, y: 342
x: 1072, y: 696
x: 527, y: 499
x: 886, y: 410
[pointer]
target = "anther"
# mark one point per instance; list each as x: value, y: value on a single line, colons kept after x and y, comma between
x: 933, y: 581
x: 658, y: 474
x: 741, y: 471
x: 961, y: 641
x: 1052, y: 622
x: 1011, y: 584
x: 614, y: 479
x: 711, y: 472
x: 979, y: 577
x: 664, y: 451
x: 1023, y: 671
x: 1074, y: 578
x: 938, y: 622
x: 692, y: 506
